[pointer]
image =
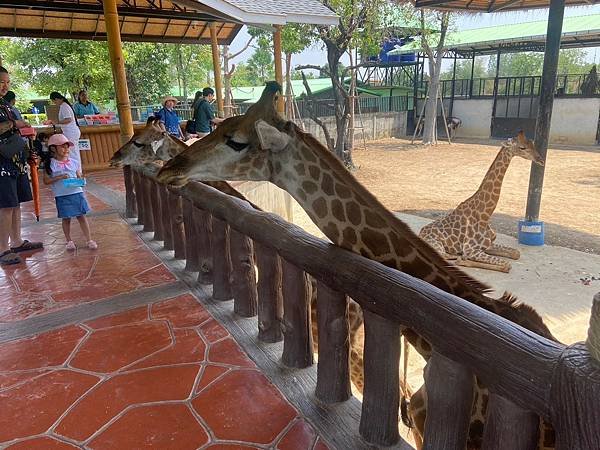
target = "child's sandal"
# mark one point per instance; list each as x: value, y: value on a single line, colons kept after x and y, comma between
x: 92, y: 245
x: 71, y: 246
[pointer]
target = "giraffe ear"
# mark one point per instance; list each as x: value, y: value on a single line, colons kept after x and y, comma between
x: 270, y: 137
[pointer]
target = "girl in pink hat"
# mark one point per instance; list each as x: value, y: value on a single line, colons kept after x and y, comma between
x: 69, y: 197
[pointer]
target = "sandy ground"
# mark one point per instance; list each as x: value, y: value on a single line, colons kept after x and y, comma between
x: 555, y: 279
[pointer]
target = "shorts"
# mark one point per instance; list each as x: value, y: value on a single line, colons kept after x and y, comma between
x: 73, y: 205
x: 14, y: 190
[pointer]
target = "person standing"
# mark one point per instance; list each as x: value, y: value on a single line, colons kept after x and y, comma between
x: 14, y: 184
x: 169, y: 119
x: 68, y: 124
x: 83, y: 106
x: 11, y: 99
x: 204, y: 112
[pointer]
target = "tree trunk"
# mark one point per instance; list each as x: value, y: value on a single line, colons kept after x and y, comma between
x: 351, y: 103
x: 227, y: 82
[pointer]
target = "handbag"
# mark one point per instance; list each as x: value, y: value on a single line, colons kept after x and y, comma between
x: 190, y: 126
x: 11, y: 145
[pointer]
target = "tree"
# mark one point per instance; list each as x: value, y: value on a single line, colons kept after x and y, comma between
x: 190, y: 65
x: 463, y: 70
x: 147, y: 68
x: 228, y: 74
x: 358, y: 28
x: 590, y: 83
x: 261, y: 61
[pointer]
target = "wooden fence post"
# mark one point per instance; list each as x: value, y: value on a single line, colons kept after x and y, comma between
x: 243, y: 273
x: 381, y: 394
x: 203, y: 222
x: 333, y: 370
x: 146, y: 184
x: 192, y: 262
x: 575, y: 391
x: 221, y: 260
x: 176, y: 210
x: 449, y: 402
x: 138, y: 197
x: 508, y: 426
x: 270, y: 297
x: 153, y: 190
x: 130, y: 201
x: 165, y: 210
x: 297, y: 334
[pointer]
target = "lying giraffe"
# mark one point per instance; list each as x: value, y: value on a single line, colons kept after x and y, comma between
x: 465, y: 234
x: 261, y: 146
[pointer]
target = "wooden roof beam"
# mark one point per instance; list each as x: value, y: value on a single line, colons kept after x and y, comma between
x: 428, y: 3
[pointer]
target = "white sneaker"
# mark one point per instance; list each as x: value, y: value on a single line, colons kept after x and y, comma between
x: 92, y: 245
x: 71, y: 246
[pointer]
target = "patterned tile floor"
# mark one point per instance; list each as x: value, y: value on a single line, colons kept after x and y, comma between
x: 165, y: 375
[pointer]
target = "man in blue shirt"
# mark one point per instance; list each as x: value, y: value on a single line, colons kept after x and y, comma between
x: 169, y: 118
x: 83, y: 106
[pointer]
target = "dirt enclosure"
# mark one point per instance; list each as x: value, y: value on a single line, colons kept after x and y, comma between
x: 429, y: 181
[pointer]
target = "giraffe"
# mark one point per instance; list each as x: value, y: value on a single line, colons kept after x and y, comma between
x: 262, y: 146
x: 465, y: 234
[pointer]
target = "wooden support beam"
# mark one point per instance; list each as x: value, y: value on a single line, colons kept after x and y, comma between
x: 216, y: 56
x: 278, y: 65
x: 117, y: 62
x: 542, y: 125
x: 270, y: 297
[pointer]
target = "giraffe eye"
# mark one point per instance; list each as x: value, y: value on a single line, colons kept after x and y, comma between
x: 237, y: 146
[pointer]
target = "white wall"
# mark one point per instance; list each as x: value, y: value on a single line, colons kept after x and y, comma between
x: 574, y: 121
x: 476, y: 116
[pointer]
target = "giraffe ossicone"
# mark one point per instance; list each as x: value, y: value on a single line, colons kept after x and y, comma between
x: 262, y: 146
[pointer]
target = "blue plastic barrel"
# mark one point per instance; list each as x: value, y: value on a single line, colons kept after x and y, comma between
x: 531, y: 233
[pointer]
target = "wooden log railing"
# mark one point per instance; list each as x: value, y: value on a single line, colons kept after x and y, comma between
x: 527, y: 375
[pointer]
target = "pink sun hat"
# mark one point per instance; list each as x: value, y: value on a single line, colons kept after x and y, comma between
x: 59, y: 139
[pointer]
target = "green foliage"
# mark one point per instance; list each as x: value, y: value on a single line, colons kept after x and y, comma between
x: 260, y: 64
x: 243, y: 76
x: 570, y: 61
x: 463, y: 70
x: 148, y: 72
x: 190, y: 66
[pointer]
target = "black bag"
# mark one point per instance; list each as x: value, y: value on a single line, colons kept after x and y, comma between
x: 12, y: 144
x: 190, y: 126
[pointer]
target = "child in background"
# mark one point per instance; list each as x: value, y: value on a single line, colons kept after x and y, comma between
x: 70, y: 201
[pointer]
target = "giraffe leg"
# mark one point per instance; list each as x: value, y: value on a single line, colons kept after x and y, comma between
x: 503, y: 250
x: 482, y: 260
x: 439, y: 247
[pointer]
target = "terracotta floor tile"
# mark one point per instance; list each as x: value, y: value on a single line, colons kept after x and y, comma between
x: 44, y: 350
x: 131, y: 316
x: 158, y: 427
x: 213, y: 331
x: 117, y: 393
x: 187, y: 348
x: 38, y: 403
x: 228, y: 351
x: 182, y: 311
x: 321, y: 445
x: 209, y: 374
x: 300, y: 437
x: 10, y: 379
x: 111, y: 349
x: 42, y: 443
x: 249, y: 408
x: 231, y: 447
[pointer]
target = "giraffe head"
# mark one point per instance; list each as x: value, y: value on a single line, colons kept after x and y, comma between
x: 150, y: 144
x: 239, y: 149
x: 523, y: 147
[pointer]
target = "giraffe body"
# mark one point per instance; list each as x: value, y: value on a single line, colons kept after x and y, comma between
x: 261, y: 146
x: 465, y: 234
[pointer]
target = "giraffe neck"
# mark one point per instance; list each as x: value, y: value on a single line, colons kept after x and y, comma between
x: 488, y: 193
x: 352, y: 218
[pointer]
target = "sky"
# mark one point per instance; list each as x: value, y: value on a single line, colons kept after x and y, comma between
x: 318, y: 56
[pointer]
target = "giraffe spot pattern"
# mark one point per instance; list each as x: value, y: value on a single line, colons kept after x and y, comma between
x: 309, y: 187
x: 320, y: 207
x: 300, y: 169
x: 350, y: 236
x: 308, y: 154
x: 400, y: 246
x: 342, y: 191
x: 332, y: 232
x: 373, y: 219
x: 301, y: 195
x: 315, y: 172
x: 376, y: 241
x: 354, y: 213
x: 327, y: 184
x: 337, y: 209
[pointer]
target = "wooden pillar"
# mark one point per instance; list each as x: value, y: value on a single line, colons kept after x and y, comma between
x: 542, y: 125
x: 117, y: 62
x: 216, y: 56
x: 472, y: 73
x: 451, y: 107
x: 278, y: 65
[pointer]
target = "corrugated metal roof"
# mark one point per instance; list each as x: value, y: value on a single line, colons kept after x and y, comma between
x: 578, y: 31
x: 494, y: 5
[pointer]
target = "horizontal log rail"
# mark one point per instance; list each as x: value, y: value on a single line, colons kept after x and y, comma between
x: 525, y: 372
